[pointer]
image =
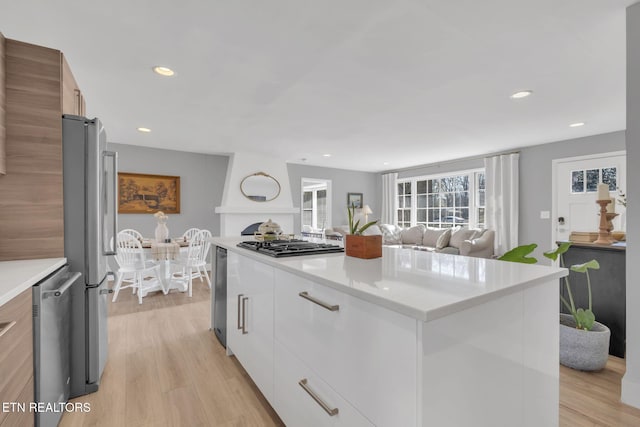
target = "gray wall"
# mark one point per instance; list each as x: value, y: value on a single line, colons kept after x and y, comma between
x: 535, y: 179
x: 342, y: 182
x: 202, y: 179
x: 631, y: 379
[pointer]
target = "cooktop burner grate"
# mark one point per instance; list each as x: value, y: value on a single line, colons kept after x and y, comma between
x: 294, y: 247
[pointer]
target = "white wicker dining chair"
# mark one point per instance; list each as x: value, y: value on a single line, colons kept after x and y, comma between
x: 134, y: 233
x: 195, y: 260
x: 190, y: 233
x: 133, y: 266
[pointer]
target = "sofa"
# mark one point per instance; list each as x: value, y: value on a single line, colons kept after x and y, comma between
x: 472, y: 242
x: 458, y: 240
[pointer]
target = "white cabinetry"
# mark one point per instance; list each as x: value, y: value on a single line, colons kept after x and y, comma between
x: 302, y: 398
x: 364, y: 352
x: 250, y: 318
x: 325, y: 351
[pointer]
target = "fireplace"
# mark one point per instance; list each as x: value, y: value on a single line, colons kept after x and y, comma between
x: 251, y: 230
x: 236, y: 210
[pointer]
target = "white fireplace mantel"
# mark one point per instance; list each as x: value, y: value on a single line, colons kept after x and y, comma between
x: 254, y: 210
x: 237, y: 212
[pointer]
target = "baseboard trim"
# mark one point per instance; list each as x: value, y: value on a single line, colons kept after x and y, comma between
x: 630, y: 392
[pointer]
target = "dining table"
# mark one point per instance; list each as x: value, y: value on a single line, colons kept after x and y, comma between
x: 165, y: 254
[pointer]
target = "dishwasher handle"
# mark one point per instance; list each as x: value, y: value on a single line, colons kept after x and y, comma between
x: 62, y: 289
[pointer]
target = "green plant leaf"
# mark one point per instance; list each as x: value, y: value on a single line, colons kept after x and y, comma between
x: 350, y: 213
x: 562, y: 248
x: 519, y: 254
x: 584, y: 319
x: 582, y: 268
x: 367, y: 225
x: 355, y: 227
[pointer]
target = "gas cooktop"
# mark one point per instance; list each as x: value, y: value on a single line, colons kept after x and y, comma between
x: 294, y: 247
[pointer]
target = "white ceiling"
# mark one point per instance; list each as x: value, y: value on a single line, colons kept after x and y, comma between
x: 406, y: 82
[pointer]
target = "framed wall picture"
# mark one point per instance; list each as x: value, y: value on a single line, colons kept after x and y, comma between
x: 144, y: 193
x: 354, y: 199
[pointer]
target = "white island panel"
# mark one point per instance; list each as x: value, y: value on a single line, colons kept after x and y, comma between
x: 495, y: 364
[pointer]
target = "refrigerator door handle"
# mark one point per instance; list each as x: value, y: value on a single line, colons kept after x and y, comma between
x: 62, y: 289
x: 114, y: 182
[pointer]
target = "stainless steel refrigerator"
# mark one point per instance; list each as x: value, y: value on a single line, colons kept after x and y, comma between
x: 90, y: 223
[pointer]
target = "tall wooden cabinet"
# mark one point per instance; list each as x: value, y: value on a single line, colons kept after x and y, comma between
x: 3, y: 130
x: 16, y: 360
x: 39, y: 88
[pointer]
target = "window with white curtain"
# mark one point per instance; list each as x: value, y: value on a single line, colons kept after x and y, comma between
x: 442, y: 201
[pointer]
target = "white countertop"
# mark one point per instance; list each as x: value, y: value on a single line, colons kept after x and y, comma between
x: 16, y: 276
x: 419, y: 284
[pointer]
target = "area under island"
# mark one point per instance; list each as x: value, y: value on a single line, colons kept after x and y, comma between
x: 410, y: 339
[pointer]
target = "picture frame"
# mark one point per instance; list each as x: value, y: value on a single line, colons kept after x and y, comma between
x: 354, y: 199
x: 147, y: 194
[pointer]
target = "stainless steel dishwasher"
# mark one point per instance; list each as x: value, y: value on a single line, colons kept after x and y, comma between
x: 51, y: 344
x: 220, y: 296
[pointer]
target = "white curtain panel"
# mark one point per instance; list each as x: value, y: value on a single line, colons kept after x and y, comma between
x: 501, y: 178
x: 388, y: 215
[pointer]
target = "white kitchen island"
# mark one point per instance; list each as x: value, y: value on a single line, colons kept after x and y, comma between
x: 409, y: 339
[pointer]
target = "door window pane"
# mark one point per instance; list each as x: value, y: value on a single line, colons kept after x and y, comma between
x: 609, y: 177
x: 593, y: 178
x: 577, y: 181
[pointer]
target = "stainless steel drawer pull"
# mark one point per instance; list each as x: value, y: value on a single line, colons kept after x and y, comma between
x: 62, y: 289
x: 329, y: 307
x: 244, y: 312
x: 239, y: 311
x: 5, y: 326
x: 329, y: 410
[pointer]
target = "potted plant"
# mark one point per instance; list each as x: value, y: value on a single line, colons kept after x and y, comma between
x: 357, y: 245
x: 584, y: 343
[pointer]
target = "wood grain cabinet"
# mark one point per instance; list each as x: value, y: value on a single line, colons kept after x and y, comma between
x: 16, y: 359
x: 39, y: 89
x: 3, y: 118
x: 72, y: 97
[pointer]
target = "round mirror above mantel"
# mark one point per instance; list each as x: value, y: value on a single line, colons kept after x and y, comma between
x: 260, y: 187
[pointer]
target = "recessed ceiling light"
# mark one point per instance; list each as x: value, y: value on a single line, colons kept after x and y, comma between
x: 385, y: 163
x: 145, y: 130
x: 576, y: 125
x: 521, y: 94
x: 326, y: 155
x: 163, y: 71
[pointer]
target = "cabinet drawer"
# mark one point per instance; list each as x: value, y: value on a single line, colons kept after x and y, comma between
x: 297, y: 407
x: 368, y: 354
x: 16, y: 354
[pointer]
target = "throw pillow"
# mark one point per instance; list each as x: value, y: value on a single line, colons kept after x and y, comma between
x: 460, y: 236
x: 431, y: 236
x: 443, y: 240
x: 390, y: 234
x: 412, y: 235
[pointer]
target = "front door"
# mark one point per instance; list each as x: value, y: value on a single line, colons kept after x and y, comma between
x: 577, y: 182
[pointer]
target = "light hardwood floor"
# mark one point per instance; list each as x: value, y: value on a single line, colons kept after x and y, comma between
x: 166, y: 368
